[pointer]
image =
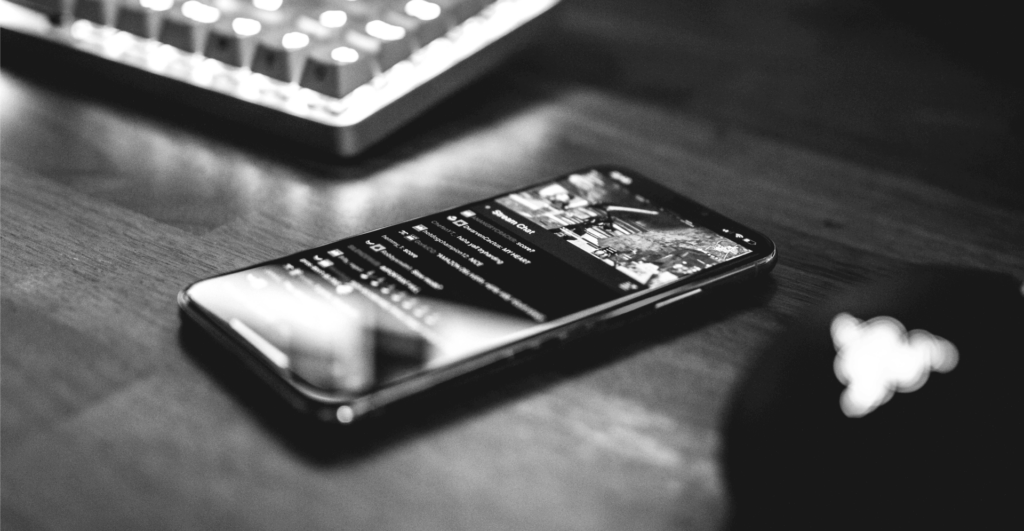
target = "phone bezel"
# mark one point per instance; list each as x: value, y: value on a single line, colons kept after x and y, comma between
x: 347, y: 409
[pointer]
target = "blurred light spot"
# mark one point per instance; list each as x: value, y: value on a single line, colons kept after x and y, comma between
x: 200, y: 12
x: 268, y: 5
x: 83, y: 30
x: 384, y: 31
x: 333, y: 19
x: 294, y: 40
x: 344, y: 54
x: 878, y: 357
x: 157, y: 5
x: 246, y: 27
x: 251, y: 86
x: 422, y: 9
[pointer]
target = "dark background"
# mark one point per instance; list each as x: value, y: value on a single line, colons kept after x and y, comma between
x: 861, y: 137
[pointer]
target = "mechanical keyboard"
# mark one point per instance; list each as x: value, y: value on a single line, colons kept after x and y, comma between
x: 335, y: 74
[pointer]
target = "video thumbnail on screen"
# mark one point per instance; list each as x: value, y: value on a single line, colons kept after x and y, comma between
x: 624, y: 230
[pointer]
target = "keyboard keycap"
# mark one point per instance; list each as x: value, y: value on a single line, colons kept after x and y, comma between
x: 281, y: 53
x: 98, y: 11
x: 461, y: 10
x: 337, y: 68
x: 411, y: 26
x: 141, y: 17
x: 187, y: 25
x: 53, y: 8
x: 431, y: 21
x: 232, y: 40
x: 390, y: 43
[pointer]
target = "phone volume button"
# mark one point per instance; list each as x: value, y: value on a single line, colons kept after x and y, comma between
x: 677, y: 298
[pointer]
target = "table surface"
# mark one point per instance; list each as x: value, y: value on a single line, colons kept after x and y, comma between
x: 842, y: 133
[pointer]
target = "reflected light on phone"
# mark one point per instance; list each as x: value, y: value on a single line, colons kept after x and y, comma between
x: 328, y: 345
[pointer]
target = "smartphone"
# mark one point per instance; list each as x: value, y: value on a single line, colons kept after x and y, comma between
x: 343, y: 330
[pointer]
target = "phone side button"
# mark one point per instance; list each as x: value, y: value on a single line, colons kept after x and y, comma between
x: 677, y: 298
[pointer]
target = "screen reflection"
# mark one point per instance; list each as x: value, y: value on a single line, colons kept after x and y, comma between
x: 350, y: 339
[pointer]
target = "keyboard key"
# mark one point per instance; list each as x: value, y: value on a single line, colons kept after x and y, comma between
x: 281, y: 53
x: 461, y: 10
x: 187, y: 25
x: 389, y: 42
x: 134, y: 18
x: 413, y: 27
x: 337, y: 68
x: 233, y: 40
x: 54, y: 8
x: 141, y: 17
x: 313, y: 24
x: 98, y: 11
x: 431, y: 22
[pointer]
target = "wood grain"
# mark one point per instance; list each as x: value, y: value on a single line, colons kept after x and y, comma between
x: 835, y: 129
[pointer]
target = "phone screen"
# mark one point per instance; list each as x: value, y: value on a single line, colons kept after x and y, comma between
x: 370, y: 310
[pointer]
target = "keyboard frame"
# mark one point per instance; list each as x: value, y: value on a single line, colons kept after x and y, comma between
x: 343, y: 126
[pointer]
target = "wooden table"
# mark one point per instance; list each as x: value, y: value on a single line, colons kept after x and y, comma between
x: 836, y: 130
